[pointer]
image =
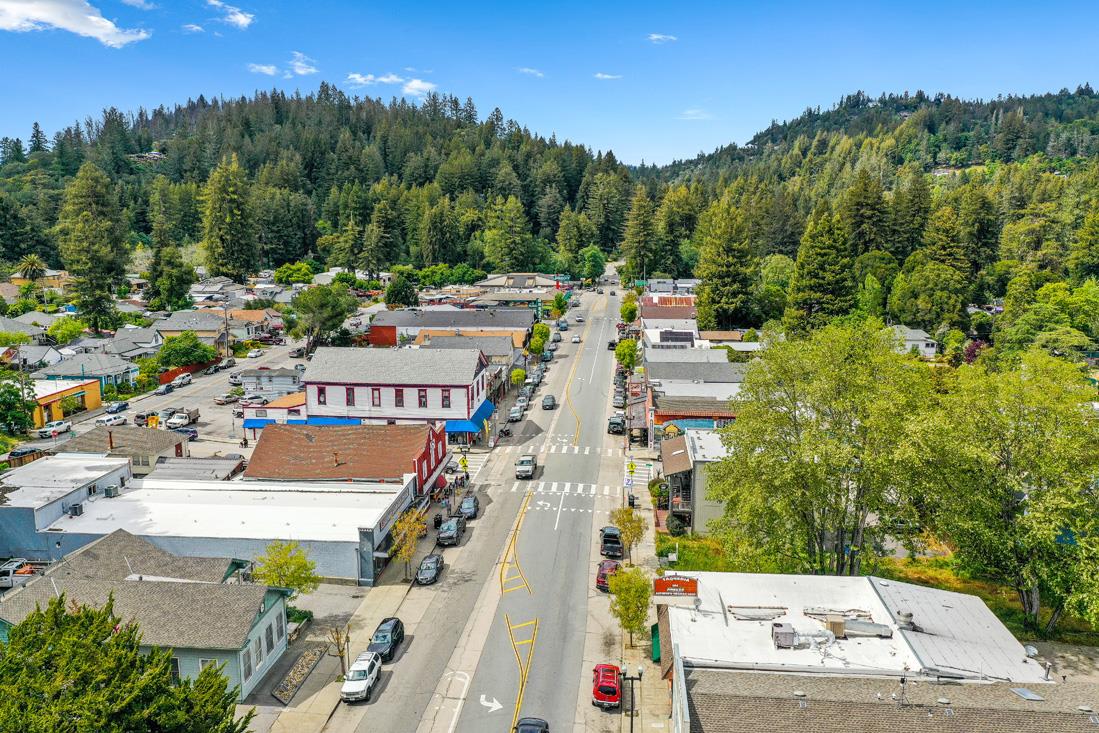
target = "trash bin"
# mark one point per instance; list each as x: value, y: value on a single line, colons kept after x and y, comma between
x: 438, y: 521
x: 633, y: 501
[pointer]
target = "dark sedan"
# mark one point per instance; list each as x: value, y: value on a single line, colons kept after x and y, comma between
x: 163, y: 389
x: 470, y: 507
x: 531, y: 725
x: 451, y: 532
x: 387, y: 638
x: 431, y: 567
x: 116, y: 407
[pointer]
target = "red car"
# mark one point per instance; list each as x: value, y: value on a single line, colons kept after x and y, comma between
x: 606, y: 689
x: 606, y: 569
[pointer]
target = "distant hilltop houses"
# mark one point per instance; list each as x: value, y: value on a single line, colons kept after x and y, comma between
x: 151, y: 157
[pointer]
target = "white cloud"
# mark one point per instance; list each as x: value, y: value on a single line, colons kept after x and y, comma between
x: 301, y: 64
x: 193, y: 28
x: 365, y: 80
x: 606, y: 77
x: 530, y: 72
x: 417, y: 87
x: 75, y: 16
x: 268, y: 69
x: 232, y: 15
x: 661, y: 38
x: 140, y: 4
x: 694, y: 113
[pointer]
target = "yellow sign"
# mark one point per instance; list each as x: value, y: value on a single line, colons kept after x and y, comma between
x: 463, y: 463
x: 152, y: 421
x: 631, y: 467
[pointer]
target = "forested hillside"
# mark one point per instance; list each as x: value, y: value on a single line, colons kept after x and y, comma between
x: 905, y: 207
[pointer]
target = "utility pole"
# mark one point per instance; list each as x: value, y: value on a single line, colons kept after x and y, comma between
x: 633, y: 700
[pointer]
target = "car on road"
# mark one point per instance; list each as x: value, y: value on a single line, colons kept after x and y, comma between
x: 470, y: 507
x: 387, y: 638
x: 451, y: 531
x: 613, y: 293
x: 616, y: 425
x: 526, y: 466
x: 361, y: 678
x: 181, y: 380
x: 297, y: 352
x: 164, y: 389
x: 110, y: 420
x: 579, y: 319
x: 191, y: 433
x: 116, y: 407
x: 515, y: 414
x: 255, y: 353
x: 556, y: 337
x: 612, y: 345
x: 610, y: 542
x: 226, y: 398
x: 228, y: 363
x: 165, y: 413
x: 603, y: 574
x: 547, y: 356
x: 599, y: 290
x: 531, y: 725
x: 211, y: 370
x: 431, y: 567
x: 56, y: 427
x: 576, y: 338
x: 141, y: 419
x: 606, y: 687
x: 522, y: 403
x: 549, y: 402
x: 234, y: 379
x: 299, y: 367
x: 552, y: 346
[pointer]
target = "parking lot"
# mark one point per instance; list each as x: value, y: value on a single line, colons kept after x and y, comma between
x: 218, y: 431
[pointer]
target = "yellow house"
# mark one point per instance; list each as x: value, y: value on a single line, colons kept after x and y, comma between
x: 48, y: 394
x: 57, y: 279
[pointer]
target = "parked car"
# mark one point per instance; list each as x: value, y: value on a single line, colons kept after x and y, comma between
x: 522, y: 403
x: 613, y: 293
x: 226, y: 398
x: 181, y: 380
x: 182, y: 417
x: 549, y: 402
x: 547, y: 356
x: 297, y: 352
x: 255, y: 353
x: 599, y: 290
x: 229, y: 362
x: 431, y: 567
x: 254, y: 398
x: 141, y: 419
x: 191, y: 433
x: 117, y: 407
x: 470, y: 507
x: 610, y: 542
x: 531, y: 725
x: 387, y: 638
x: 451, y: 531
x: 552, y: 346
x: 515, y: 414
x: 526, y: 466
x: 361, y: 678
x: 15, y: 572
x: 23, y: 450
x: 164, y: 389
x: 212, y: 369
x: 579, y: 319
x: 56, y: 427
x: 110, y: 420
x: 606, y: 569
x: 619, y: 401
x: 606, y: 688
x: 299, y: 367
x: 556, y: 337
x: 576, y: 338
x: 234, y: 379
x: 616, y: 425
x: 612, y: 345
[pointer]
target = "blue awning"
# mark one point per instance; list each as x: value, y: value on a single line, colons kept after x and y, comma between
x: 257, y: 422
x: 333, y: 421
x: 476, y: 421
x: 297, y: 421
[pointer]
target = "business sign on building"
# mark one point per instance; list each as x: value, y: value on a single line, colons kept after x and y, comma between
x: 675, y: 585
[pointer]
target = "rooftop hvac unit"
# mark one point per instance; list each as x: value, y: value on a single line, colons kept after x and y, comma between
x: 76, y: 510
x: 111, y: 492
x: 837, y: 625
x: 784, y: 636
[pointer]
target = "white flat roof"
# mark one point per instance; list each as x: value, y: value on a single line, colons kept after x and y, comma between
x: 705, y: 446
x: 47, y: 387
x: 683, y: 388
x: 213, y: 509
x: 955, y: 636
x: 50, y: 478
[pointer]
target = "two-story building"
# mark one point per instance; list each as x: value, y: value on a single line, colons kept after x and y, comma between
x: 393, y: 328
x: 269, y: 382
x: 345, y: 386
x: 211, y: 327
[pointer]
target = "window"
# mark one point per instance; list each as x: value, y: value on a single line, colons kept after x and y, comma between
x: 280, y: 626
x: 204, y: 663
x: 174, y: 667
x: 270, y: 636
x: 257, y: 652
x: 398, y: 397
x: 349, y: 396
x: 446, y: 398
x: 375, y: 397
x: 322, y: 396
x: 423, y: 398
x: 247, y: 661
x: 391, y: 422
x: 261, y: 413
x: 293, y: 412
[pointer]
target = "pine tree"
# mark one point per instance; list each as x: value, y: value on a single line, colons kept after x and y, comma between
x: 382, y: 239
x: 909, y: 214
x: 979, y: 227
x: 439, y: 235
x: 943, y: 240
x: 676, y: 219
x: 91, y: 236
x: 574, y: 233
x: 346, y: 246
x: 823, y: 287
x: 548, y: 209
x: 508, y: 245
x: 864, y: 213
x: 639, y: 243
x: 38, y: 141
x: 1083, y: 260
x: 726, y: 268
x: 606, y: 208
x: 228, y: 230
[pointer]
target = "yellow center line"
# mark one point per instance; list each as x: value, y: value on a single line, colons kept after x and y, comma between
x: 524, y: 668
x: 525, y: 623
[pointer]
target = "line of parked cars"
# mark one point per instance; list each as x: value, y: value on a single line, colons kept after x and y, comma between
x: 526, y: 395
x: 365, y: 671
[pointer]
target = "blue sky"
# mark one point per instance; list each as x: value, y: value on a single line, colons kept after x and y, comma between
x: 652, y: 81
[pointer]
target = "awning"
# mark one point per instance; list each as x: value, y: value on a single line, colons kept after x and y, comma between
x: 333, y: 421
x: 297, y: 421
x: 257, y: 422
x: 476, y: 421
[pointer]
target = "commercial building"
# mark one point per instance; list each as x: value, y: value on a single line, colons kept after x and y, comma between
x: 394, y: 386
x: 287, y: 410
x: 143, y: 446
x: 517, y: 281
x: 684, y: 462
x: 270, y: 383
x: 172, y: 600
x: 393, y: 328
x: 49, y: 395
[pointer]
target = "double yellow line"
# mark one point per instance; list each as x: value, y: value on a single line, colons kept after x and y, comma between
x: 523, y: 664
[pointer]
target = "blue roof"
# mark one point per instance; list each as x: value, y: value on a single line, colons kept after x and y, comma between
x: 475, y: 422
x: 333, y: 421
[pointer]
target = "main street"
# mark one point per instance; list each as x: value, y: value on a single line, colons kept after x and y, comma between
x: 458, y: 670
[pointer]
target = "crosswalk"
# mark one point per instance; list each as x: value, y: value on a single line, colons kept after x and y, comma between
x: 561, y: 449
x: 636, y: 474
x: 474, y: 462
x: 568, y: 488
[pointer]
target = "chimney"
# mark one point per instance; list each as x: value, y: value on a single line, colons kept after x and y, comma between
x: 110, y: 440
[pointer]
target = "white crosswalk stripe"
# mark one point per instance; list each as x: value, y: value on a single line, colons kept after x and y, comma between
x: 587, y: 449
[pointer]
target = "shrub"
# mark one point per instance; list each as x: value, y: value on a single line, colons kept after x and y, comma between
x: 676, y: 526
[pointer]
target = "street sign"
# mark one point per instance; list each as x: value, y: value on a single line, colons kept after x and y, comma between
x: 631, y: 467
x: 463, y: 463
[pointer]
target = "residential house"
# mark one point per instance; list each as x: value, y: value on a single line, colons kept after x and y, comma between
x: 685, y: 460
x: 50, y: 394
x: 38, y: 318
x: 29, y: 357
x: 133, y: 343
x: 209, y: 325
x: 143, y: 446
x: 350, y: 386
x: 171, y: 599
x: 264, y: 320
x: 270, y: 382
x: 110, y: 370
x: 36, y: 334
x: 914, y: 339
x: 758, y: 653
x: 378, y: 453
x: 51, y: 279
x: 288, y: 409
x: 392, y: 328
x: 215, y: 289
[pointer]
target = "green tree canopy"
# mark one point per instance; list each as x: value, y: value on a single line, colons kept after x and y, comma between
x: 294, y: 272
x: 228, y: 229
x: 726, y: 295
x: 401, y: 292
x: 185, y: 350
x: 823, y: 287
x: 287, y: 565
x: 321, y: 310
x: 625, y: 353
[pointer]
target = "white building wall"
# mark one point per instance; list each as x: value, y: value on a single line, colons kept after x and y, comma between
x: 464, y: 399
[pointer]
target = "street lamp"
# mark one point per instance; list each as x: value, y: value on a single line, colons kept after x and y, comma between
x: 633, y: 700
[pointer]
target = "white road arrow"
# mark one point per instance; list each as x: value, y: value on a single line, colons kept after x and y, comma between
x: 492, y: 705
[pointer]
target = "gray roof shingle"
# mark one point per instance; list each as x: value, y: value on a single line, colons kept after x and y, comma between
x: 393, y: 366
x: 487, y: 318
x: 128, y: 440
x: 89, y: 365
x: 489, y: 345
x: 697, y: 372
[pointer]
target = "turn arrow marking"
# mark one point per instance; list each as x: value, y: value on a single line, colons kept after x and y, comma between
x: 492, y: 705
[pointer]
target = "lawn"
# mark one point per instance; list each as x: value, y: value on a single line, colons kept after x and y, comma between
x: 695, y: 553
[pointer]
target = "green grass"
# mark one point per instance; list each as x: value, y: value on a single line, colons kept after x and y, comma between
x: 695, y: 553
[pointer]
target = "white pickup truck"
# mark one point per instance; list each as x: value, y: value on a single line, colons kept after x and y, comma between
x: 182, y: 418
x: 14, y: 573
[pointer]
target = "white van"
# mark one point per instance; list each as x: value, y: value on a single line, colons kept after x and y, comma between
x: 181, y: 380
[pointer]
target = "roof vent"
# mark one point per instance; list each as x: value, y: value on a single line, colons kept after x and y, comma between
x: 943, y: 701
x: 799, y: 693
x: 783, y: 635
x: 904, y: 620
x: 1085, y: 708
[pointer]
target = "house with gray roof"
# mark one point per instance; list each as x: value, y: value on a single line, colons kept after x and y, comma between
x: 173, y: 601
x: 134, y: 343
x: 210, y: 326
x: 108, y: 369
x: 914, y: 339
x: 31, y: 356
x: 351, y: 386
x: 498, y: 349
x: 145, y: 447
x: 10, y: 325
x: 38, y: 318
